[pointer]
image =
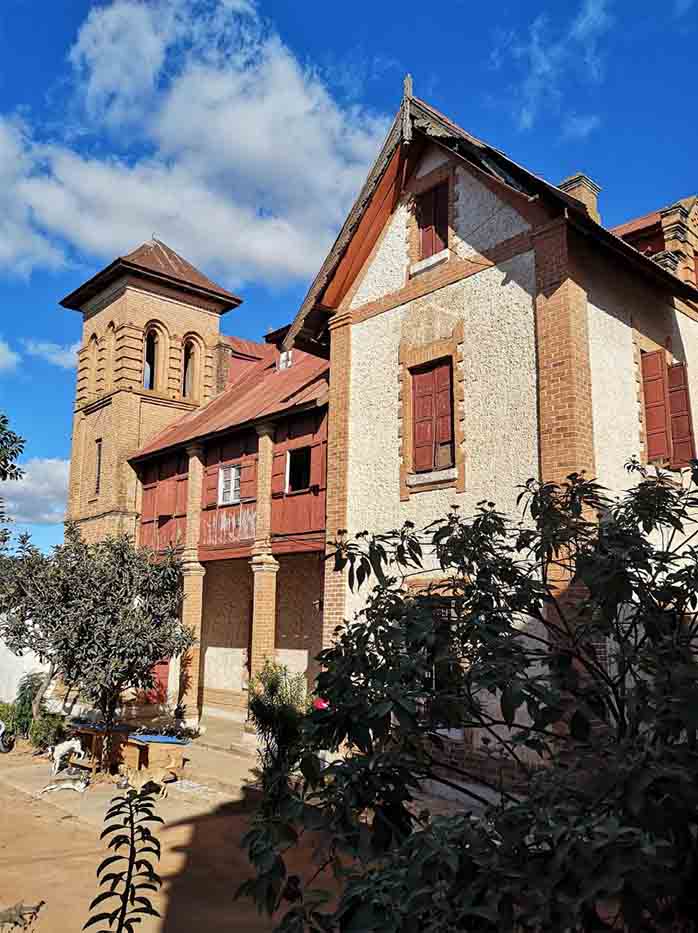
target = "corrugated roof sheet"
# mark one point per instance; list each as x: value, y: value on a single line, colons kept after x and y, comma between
x: 639, y: 223
x: 263, y: 392
x: 156, y: 256
x: 258, y: 351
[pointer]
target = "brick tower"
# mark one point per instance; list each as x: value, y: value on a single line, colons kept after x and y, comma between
x: 151, y: 351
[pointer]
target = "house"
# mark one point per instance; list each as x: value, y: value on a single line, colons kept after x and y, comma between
x: 472, y: 326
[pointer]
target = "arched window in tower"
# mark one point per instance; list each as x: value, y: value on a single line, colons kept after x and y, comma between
x: 92, y: 366
x: 188, y: 369
x: 109, y: 357
x: 150, y: 360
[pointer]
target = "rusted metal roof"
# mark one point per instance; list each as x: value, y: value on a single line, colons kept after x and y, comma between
x: 153, y: 260
x: 257, y: 351
x: 264, y: 392
x: 639, y: 223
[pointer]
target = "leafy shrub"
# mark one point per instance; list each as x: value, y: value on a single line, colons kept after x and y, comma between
x: 28, y: 688
x: 48, y: 729
x: 7, y: 715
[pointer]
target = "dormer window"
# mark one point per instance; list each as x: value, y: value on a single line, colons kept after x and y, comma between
x: 285, y: 359
x: 432, y: 220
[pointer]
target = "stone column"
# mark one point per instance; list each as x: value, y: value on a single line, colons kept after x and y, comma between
x: 264, y: 566
x: 191, y: 684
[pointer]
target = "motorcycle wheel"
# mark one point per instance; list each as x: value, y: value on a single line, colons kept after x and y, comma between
x: 7, y: 743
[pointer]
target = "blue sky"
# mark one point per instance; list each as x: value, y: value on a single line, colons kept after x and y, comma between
x: 239, y: 133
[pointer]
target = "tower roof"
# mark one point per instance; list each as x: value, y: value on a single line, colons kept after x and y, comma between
x: 156, y: 261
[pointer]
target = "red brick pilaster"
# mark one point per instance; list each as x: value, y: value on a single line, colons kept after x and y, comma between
x: 264, y: 571
x: 191, y: 679
x: 334, y: 601
x: 566, y: 435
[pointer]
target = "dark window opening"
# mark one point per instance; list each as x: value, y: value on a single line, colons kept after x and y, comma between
x: 432, y: 407
x: 188, y: 371
x: 432, y: 220
x: 298, y: 469
x: 98, y: 465
x: 151, y: 347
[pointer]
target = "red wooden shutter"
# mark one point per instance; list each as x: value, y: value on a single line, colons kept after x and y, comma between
x: 167, y: 496
x: 424, y: 410
x: 654, y: 383
x: 248, y: 478
x: 425, y: 220
x: 440, y: 217
x: 444, y: 416
x: 210, y: 492
x: 682, y: 439
x: 278, y: 473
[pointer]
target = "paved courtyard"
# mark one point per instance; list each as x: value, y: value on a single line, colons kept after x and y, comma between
x: 50, y: 848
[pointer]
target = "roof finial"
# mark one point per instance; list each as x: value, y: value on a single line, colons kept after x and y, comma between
x: 406, y: 115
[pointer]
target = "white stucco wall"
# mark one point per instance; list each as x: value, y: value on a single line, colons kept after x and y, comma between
x: 614, y: 308
x: 387, y: 273
x: 12, y: 670
x: 499, y: 366
x: 481, y: 220
x: 613, y: 385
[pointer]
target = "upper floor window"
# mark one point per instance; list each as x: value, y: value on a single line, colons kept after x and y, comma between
x: 150, y: 360
x: 285, y: 359
x: 432, y: 220
x: 298, y: 469
x: 668, y: 422
x: 188, y: 368
x: 229, y: 485
x: 432, y: 401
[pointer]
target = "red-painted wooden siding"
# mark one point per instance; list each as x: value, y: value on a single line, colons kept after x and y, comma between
x: 682, y: 440
x: 303, y: 512
x: 164, y: 506
x: 229, y: 525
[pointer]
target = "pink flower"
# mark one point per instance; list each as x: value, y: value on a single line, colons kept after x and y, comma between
x: 319, y: 703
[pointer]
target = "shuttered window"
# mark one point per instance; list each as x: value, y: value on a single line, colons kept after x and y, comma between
x: 432, y: 406
x: 98, y: 465
x: 228, y: 485
x: 682, y: 441
x: 668, y: 421
x: 432, y: 220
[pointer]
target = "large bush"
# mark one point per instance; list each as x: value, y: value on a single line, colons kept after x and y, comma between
x: 566, y: 641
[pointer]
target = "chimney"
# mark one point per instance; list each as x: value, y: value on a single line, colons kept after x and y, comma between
x: 581, y: 187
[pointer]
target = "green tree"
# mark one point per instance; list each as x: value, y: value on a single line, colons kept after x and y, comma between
x: 99, y: 615
x: 565, y: 640
x: 11, y: 446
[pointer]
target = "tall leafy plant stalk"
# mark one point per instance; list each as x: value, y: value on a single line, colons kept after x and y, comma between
x: 129, y: 873
x: 563, y: 643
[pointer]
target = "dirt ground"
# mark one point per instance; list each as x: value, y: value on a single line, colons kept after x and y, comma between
x: 50, y: 848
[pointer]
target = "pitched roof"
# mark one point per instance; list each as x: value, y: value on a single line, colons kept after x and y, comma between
x: 156, y: 261
x: 251, y: 348
x: 416, y: 115
x: 654, y: 217
x: 263, y: 392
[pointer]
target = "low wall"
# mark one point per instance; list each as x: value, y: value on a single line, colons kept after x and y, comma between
x: 12, y: 669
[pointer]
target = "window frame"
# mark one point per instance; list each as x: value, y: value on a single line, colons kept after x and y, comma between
x: 99, y: 460
x: 428, y: 202
x: 151, y: 369
x: 236, y: 472
x: 287, y: 483
x: 412, y: 358
x: 189, y: 370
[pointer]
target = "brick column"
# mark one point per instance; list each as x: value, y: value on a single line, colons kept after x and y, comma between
x: 566, y: 434
x: 264, y: 570
x: 264, y: 566
x: 335, y: 591
x: 193, y: 572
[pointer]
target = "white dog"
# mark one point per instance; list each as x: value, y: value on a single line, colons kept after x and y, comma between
x: 71, y: 747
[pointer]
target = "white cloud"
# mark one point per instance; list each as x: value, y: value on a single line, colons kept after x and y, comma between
x: 64, y: 356
x: 251, y: 161
x: 8, y: 358
x: 546, y: 58
x: 39, y: 497
x: 579, y: 126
